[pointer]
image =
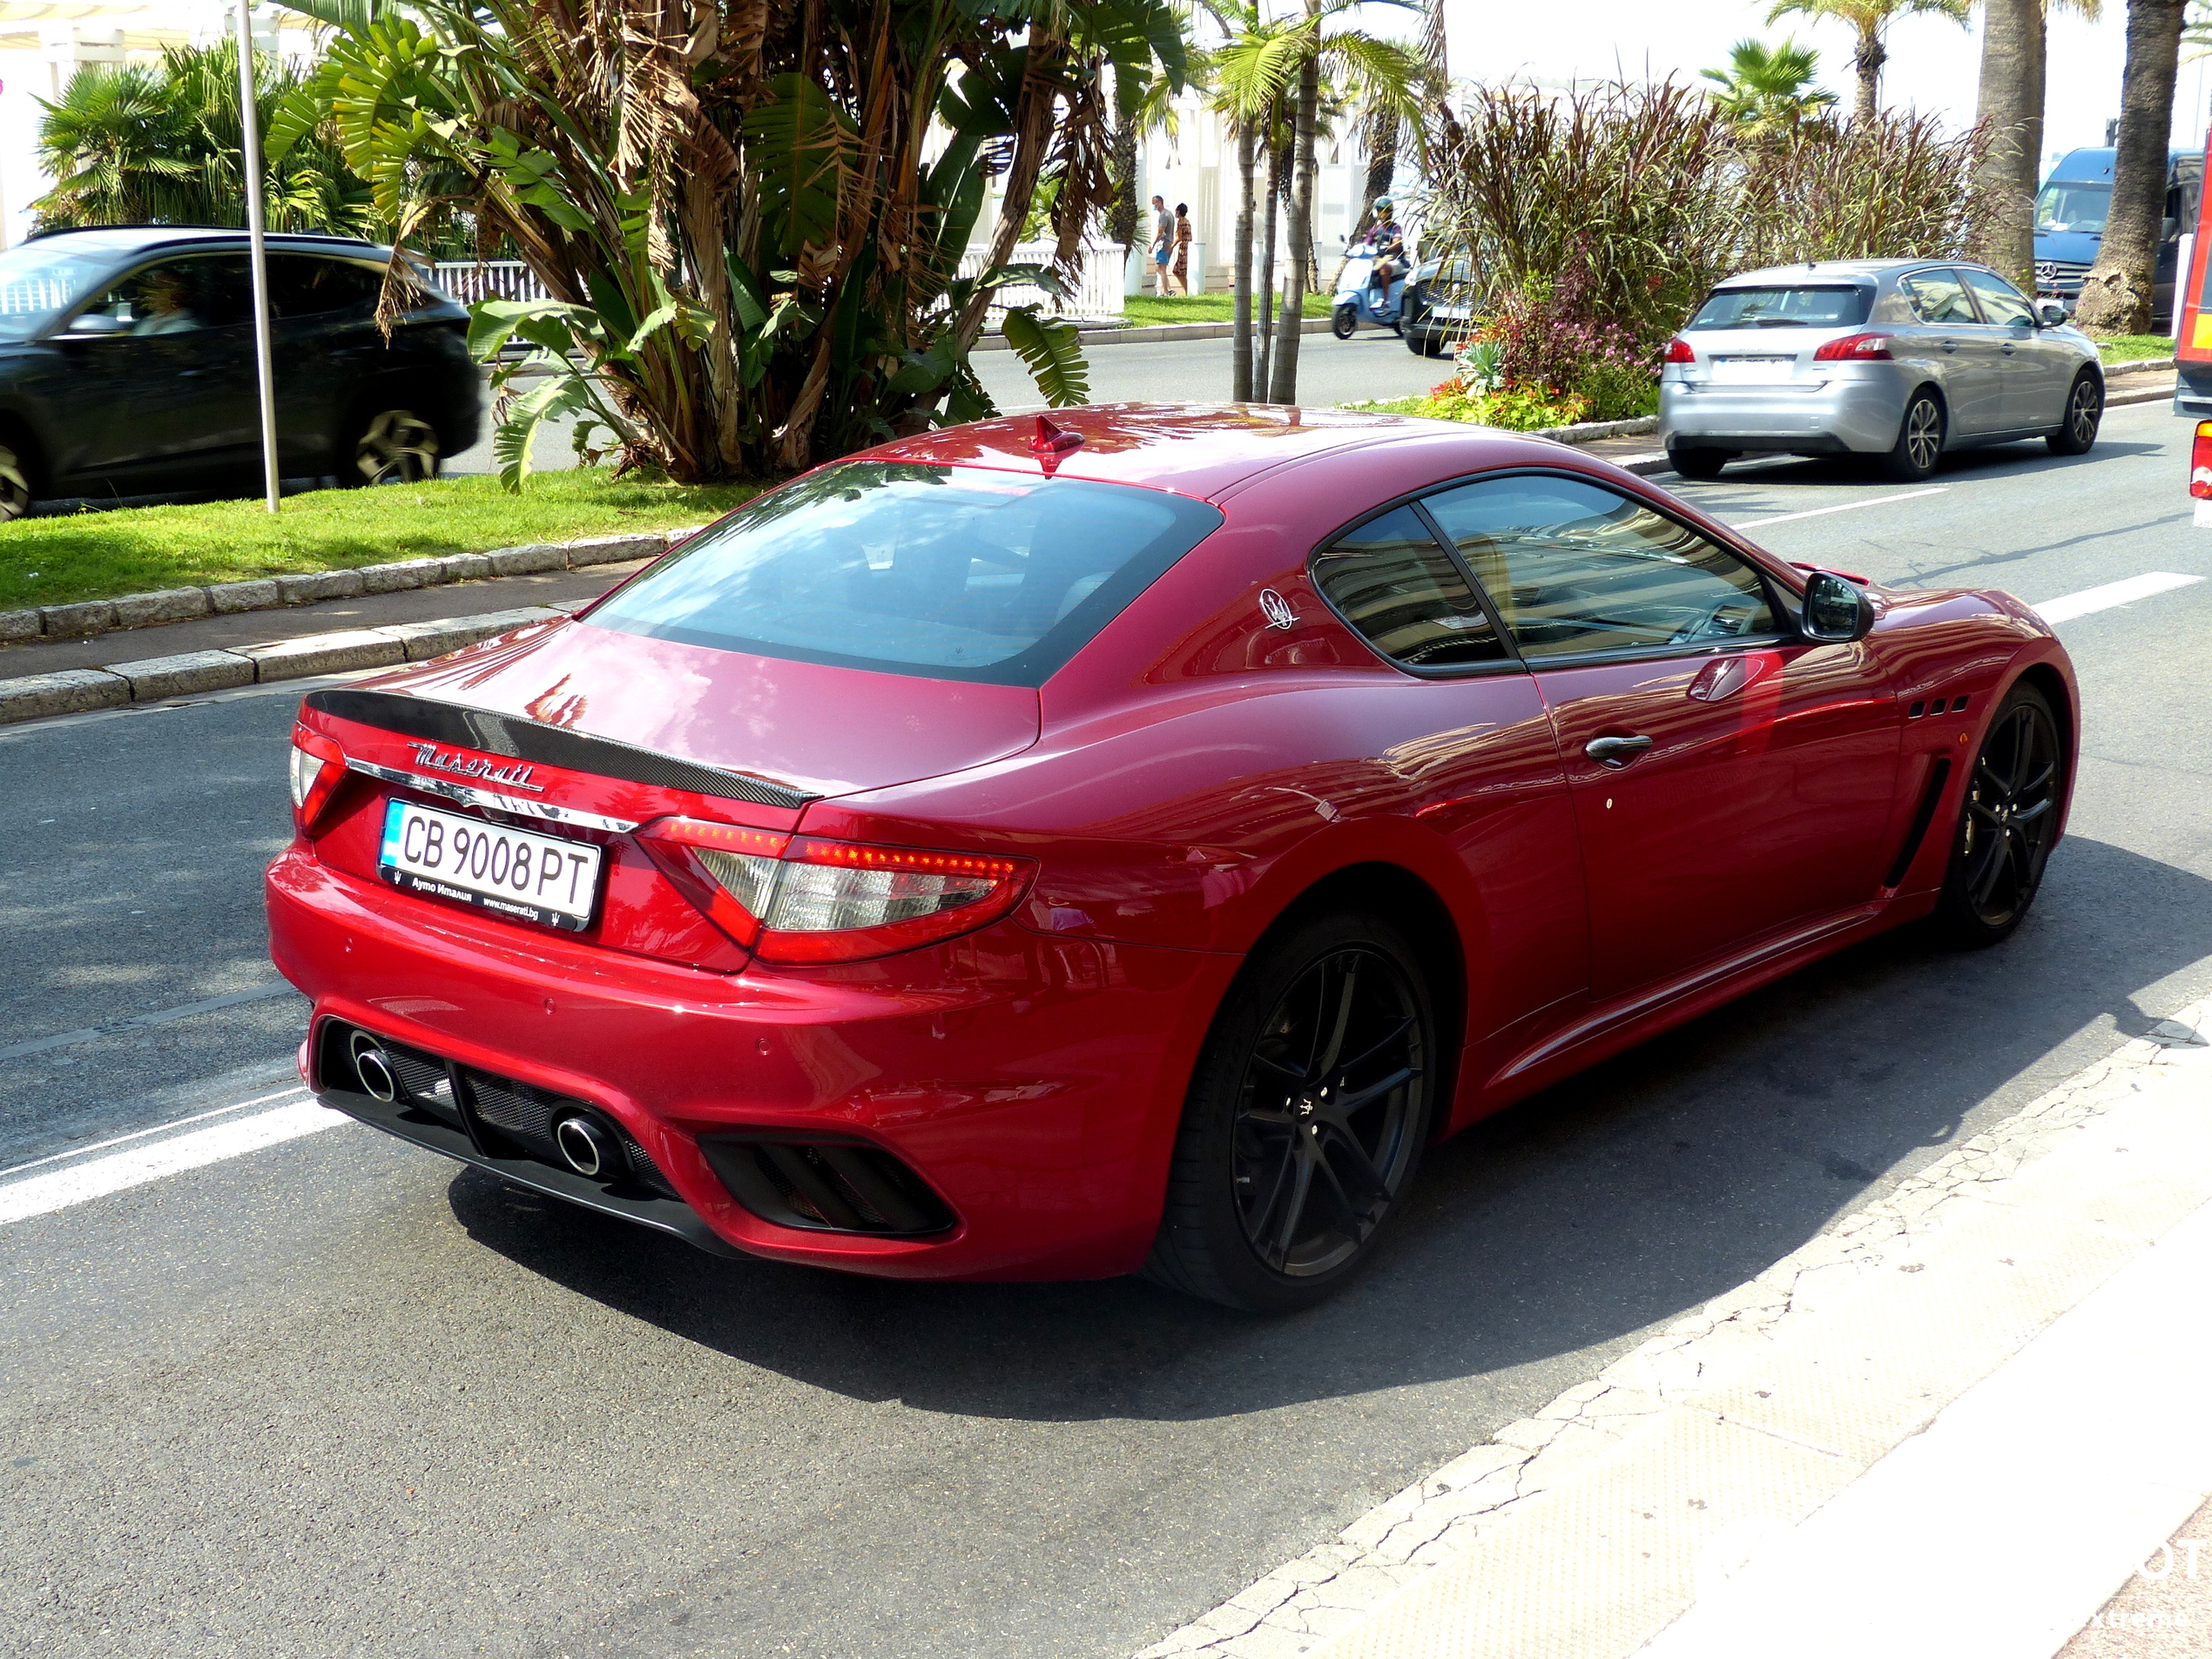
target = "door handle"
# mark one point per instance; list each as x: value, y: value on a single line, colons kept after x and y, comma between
x: 1616, y: 751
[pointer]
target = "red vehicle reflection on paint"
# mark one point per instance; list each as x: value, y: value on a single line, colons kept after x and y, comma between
x: 1029, y: 851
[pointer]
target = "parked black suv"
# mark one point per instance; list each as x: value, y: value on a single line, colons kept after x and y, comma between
x: 127, y: 365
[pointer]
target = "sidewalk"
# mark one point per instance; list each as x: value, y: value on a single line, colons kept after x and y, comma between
x: 1951, y: 1426
x: 559, y: 589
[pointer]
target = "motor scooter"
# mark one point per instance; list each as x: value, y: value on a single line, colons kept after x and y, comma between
x: 1359, y: 300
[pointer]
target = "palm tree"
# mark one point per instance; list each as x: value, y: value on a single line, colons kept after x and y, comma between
x: 1868, y: 20
x: 159, y: 145
x: 2011, y: 102
x: 1247, y: 78
x: 1380, y: 73
x: 1769, y: 89
x: 2116, y: 295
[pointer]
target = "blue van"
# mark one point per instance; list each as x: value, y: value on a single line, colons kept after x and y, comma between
x: 2070, y: 220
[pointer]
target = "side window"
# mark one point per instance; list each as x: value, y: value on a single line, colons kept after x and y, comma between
x: 1405, y: 596
x: 300, y: 286
x: 162, y: 299
x: 228, y: 281
x: 1575, y: 567
x: 1939, y: 296
x: 2000, y: 301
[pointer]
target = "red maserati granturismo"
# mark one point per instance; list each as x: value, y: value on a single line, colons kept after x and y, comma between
x: 1054, y: 851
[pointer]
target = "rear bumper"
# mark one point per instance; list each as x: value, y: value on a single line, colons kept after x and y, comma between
x: 1035, y: 1083
x: 1860, y: 415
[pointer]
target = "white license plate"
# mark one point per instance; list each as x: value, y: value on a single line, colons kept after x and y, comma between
x: 1457, y: 314
x: 532, y: 877
x: 1754, y: 371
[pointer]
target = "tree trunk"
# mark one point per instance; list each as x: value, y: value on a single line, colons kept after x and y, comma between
x: 1282, y: 385
x: 1866, y: 62
x: 1240, y: 345
x: 1122, y: 219
x: 2011, y: 102
x: 2116, y: 295
x: 1381, y: 135
x: 1266, y: 336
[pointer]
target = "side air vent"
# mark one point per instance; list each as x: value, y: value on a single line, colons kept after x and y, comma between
x: 1938, y: 776
x: 827, y: 1185
x: 550, y: 745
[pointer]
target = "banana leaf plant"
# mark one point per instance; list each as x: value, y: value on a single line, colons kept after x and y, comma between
x: 748, y: 216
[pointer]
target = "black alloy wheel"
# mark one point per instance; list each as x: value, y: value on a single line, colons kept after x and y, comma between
x: 1697, y: 462
x: 1342, y: 321
x: 2007, y: 822
x: 392, y: 447
x: 2084, y: 412
x: 1919, y: 441
x: 1305, y: 1121
x: 15, y: 484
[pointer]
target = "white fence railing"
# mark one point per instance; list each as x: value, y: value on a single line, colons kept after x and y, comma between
x: 1098, y: 293
x: 468, y: 282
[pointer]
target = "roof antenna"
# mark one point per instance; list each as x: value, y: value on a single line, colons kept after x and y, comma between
x: 1049, y: 443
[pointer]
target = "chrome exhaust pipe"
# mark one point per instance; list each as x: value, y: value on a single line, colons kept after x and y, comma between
x: 373, y: 1069
x: 587, y: 1148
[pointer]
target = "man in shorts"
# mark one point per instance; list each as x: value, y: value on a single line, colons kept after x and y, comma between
x: 1163, y: 243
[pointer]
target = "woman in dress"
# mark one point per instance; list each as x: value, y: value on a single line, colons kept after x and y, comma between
x: 1182, y: 247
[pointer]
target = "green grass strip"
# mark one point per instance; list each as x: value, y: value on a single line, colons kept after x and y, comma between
x: 99, y: 554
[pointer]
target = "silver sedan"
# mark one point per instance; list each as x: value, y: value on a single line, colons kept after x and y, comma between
x: 1904, y: 359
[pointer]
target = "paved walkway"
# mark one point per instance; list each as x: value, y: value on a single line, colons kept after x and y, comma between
x: 1968, y: 1421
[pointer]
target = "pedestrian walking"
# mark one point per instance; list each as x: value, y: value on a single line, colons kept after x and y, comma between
x: 1182, y: 247
x: 1163, y: 243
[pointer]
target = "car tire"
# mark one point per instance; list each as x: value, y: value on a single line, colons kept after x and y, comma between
x: 1418, y: 343
x: 2084, y: 412
x: 1277, y: 1193
x: 2013, y: 801
x: 1919, y: 440
x: 1342, y: 321
x: 17, y: 472
x: 388, y: 443
x: 1696, y: 462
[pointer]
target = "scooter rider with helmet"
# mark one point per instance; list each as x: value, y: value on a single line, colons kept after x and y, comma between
x: 1388, y: 240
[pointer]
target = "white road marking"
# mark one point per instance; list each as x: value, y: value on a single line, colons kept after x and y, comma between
x: 2113, y: 593
x: 140, y: 1134
x: 1816, y: 512
x: 159, y: 1017
x: 42, y: 1195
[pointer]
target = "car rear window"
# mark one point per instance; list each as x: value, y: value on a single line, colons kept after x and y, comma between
x: 944, y: 572
x: 1807, y: 305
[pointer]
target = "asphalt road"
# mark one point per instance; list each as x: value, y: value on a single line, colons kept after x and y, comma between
x: 1372, y: 363
x: 334, y: 1398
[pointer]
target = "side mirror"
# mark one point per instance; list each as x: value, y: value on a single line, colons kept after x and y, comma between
x: 2050, y: 314
x: 93, y: 325
x: 1836, y: 612
x: 2168, y: 228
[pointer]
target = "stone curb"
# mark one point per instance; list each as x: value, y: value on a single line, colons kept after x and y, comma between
x: 91, y: 616
x: 1383, y: 1586
x: 80, y: 691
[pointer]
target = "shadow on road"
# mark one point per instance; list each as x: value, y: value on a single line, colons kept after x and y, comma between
x: 1575, y: 1221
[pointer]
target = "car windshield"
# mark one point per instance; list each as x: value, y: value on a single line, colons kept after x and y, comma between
x: 40, y: 280
x: 2073, y: 207
x: 948, y: 573
x: 1795, y: 307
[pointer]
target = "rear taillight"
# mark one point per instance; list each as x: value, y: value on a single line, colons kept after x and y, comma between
x: 1678, y: 351
x: 317, y: 767
x: 1855, y: 348
x: 799, y: 899
x: 2201, y: 462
